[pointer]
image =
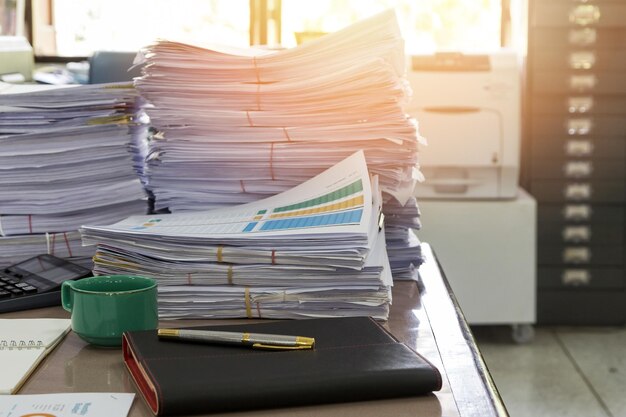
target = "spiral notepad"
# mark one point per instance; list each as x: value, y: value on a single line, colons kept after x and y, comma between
x: 20, y: 344
x: 24, y: 343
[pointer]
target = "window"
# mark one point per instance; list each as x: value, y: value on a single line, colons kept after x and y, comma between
x: 82, y: 27
x: 12, y: 17
x: 78, y: 28
x: 427, y: 25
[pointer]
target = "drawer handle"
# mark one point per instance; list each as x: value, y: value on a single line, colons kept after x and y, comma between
x: 577, y: 212
x: 578, y: 191
x: 579, y: 104
x: 583, y: 82
x: 576, y: 277
x: 584, y: 14
x: 578, y: 169
x: 582, y: 37
x: 582, y: 60
x: 579, y: 126
x: 579, y: 148
x: 576, y: 234
x: 576, y: 255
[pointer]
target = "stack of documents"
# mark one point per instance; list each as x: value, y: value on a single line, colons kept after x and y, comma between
x: 403, y: 245
x: 232, y: 126
x: 66, y: 245
x: 65, y: 160
x: 317, y: 250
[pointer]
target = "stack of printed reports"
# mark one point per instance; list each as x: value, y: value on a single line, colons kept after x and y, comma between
x: 317, y: 250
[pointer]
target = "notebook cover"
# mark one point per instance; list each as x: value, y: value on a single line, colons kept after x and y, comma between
x: 354, y: 359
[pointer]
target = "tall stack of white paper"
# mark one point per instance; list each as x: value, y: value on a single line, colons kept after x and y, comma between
x: 317, y: 250
x: 65, y: 160
x: 236, y: 125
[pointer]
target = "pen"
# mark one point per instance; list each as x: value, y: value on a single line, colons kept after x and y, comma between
x: 254, y: 340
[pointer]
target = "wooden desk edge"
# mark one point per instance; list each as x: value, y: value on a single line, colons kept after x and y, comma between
x: 435, y: 284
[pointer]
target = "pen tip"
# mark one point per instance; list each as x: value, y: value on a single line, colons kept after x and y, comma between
x: 167, y: 332
x: 305, y: 341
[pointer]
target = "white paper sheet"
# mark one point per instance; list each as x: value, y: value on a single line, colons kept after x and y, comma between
x: 84, y: 404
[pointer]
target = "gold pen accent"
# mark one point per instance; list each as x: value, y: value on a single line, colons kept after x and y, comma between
x: 279, y: 347
x: 168, y: 333
x: 306, y: 342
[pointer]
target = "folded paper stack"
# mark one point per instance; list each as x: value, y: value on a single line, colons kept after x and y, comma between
x: 317, y: 250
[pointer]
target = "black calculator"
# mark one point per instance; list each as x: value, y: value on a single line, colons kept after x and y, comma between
x: 36, y: 282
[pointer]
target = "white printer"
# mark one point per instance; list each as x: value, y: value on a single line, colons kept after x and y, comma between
x: 16, y: 59
x: 469, y: 109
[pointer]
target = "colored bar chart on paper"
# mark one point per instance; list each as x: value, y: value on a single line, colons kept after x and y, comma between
x: 344, y: 205
x: 355, y: 187
x: 333, y: 219
x: 334, y: 208
x: 340, y: 196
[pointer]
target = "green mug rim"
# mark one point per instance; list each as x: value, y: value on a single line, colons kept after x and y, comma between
x: 154, y: 284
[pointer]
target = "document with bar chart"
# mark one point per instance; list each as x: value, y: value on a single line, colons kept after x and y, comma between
x: 337, y: 200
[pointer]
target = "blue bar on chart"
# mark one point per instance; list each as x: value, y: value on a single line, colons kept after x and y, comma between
x: 346, y: 217
x: 250, y: 226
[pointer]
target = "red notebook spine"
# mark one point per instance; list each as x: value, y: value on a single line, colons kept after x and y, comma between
x: 146, y: 386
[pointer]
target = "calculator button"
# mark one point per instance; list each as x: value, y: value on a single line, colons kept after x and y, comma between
x: 12, y: 281
x: 22, y: 285
x: 4, y: 294
x: 16, y: 291
x: 5, y: 279
x: 29, y: 289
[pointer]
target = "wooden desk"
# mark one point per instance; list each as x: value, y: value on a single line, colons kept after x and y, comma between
x: 424, y: 315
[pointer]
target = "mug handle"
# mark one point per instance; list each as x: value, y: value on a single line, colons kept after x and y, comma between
x: 66, y: 295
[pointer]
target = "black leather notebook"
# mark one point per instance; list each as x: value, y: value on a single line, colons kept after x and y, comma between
x: 354, y: 359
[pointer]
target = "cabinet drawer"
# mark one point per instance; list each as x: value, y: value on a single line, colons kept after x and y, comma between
x: 598, y: 82
x: 562, y: 214
x: 578, y: 191
x: 578, y: 125
x: 588, y: 147
x: 542, y: 168
x: 581, y: 307
x: 591, y: 234
x: 578, y: 105
x: 579, y: 59
x: 579, y: 255
x: 595, y: 13
x: 577, y: 37
x: 580, y: 278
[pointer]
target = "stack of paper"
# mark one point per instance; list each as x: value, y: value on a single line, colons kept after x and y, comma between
x: 64, y: 245
x: 65, y: 161
x: 233, y: 126
x: 403, y: 246
x: 317, y: 250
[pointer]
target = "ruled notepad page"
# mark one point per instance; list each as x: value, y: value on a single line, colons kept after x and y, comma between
x: 23, y: 344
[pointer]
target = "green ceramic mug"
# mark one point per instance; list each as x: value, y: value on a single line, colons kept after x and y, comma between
x: 104, y: 307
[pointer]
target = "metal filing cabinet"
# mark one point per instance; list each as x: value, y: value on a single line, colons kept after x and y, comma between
x: 576, y: 158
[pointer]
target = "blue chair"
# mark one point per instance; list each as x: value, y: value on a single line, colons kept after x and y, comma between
x: 110, y: 66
